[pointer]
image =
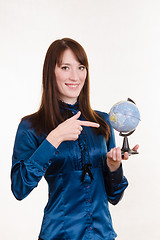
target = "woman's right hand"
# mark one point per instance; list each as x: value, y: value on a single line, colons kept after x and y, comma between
x: 69, y: 130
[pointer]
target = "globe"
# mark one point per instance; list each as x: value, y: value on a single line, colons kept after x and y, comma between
x: 124, y: 116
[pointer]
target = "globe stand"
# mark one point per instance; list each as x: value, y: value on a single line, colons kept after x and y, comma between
x: 125, y: 147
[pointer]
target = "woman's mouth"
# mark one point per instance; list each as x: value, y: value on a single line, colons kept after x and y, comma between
x: 72, y: 86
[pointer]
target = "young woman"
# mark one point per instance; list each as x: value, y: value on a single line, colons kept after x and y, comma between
x: 73, y: 147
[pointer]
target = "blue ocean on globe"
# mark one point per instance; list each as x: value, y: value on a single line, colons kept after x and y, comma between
x: 124, y: 116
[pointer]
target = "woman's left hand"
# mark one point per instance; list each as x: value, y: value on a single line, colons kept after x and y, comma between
x: 114, y: 158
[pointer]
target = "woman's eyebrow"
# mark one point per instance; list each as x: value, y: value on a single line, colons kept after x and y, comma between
x: 65, y: 64
x: 69, y: 64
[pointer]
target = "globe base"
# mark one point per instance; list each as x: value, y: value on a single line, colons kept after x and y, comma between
x: 130, y: 152
x: 125, y: 147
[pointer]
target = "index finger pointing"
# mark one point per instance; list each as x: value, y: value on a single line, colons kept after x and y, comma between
x: 89, y: 124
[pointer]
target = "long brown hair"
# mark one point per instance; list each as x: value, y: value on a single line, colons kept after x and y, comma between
x: 49, y: 115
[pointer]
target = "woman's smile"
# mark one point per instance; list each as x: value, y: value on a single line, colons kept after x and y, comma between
x: 72, y: 86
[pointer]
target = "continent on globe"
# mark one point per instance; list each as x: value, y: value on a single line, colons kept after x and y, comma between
x: 113, y: 118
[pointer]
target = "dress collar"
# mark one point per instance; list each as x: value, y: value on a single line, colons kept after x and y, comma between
x: 67, y: 106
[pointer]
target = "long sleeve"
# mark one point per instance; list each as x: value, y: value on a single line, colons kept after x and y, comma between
x: 30, y: 161
x: 115, y: 184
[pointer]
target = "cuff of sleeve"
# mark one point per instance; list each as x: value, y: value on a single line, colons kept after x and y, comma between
x: 116, y: 177
x: 43, y: 157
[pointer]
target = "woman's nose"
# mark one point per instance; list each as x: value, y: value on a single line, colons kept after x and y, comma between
x: 74, y: 75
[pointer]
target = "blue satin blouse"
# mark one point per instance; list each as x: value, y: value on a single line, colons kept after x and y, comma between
x: 80, y: 183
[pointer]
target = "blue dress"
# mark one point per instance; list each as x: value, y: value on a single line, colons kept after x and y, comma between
x: 80, y: 183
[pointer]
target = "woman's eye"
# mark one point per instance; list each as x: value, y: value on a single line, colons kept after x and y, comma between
x: 82, y: 67
x: 65, y: 68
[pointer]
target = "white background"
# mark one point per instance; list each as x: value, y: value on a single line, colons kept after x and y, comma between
x: 122, y: 41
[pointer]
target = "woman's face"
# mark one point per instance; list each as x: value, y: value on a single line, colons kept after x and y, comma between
x: 70, y: 77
